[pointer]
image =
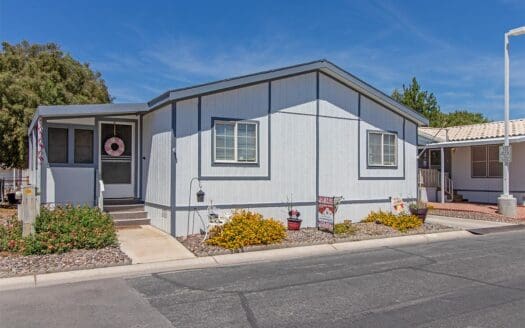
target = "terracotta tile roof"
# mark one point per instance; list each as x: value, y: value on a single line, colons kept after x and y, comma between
x: 474, y: 131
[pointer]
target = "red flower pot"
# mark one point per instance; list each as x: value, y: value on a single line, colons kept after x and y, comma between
x: 294, y: 224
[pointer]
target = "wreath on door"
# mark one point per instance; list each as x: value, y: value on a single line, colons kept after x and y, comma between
x: 114, y: 146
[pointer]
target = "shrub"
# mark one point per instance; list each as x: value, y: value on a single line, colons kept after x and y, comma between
x: 247, y: 228
x: 345, y: 228
x: 60, y: 230
x: 10, y: 235
x: 401, y: 222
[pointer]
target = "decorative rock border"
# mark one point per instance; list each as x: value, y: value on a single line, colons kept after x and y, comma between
x: 78, y: 259
x: 312, y: 236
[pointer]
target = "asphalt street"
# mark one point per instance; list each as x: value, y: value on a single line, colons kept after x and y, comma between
x: 473, y: 282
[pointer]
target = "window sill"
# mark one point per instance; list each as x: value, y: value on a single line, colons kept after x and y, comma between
x: 241, y: 164
x: 383, y: 167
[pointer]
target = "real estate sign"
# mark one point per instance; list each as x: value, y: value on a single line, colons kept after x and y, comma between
x: 397, y: 204
x: 326, y: 213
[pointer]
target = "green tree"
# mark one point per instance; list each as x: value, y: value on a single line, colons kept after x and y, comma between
x: 426, y: 103
x: 464, y: 117
x: 39, y: 74
x: 421, y: 101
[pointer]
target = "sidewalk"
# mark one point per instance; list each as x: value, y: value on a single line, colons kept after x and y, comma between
x: 464, y: 224
x: 222, y: 260
x: 146, y: 244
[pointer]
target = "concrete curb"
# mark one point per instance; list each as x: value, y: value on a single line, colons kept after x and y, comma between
x: 135, y: 270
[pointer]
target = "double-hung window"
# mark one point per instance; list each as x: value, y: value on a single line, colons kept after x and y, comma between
x: 485, y: 162
x: 382, y: 149
x: 235, y: 141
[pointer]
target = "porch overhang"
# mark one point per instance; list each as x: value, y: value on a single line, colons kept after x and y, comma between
x: 72, y: 111
x: 476, y: 142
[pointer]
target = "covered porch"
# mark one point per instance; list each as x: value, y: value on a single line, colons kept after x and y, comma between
x: 469, y: 170
x: 84, y: 154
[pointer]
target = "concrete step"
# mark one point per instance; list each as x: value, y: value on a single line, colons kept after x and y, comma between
x: 123, y: 208
x: 131, y: 222
x: 122, y: 201
x: 129, y: 215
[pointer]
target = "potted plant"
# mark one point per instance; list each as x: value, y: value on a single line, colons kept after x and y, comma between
x: 419, y: 209
x: 294, y: 223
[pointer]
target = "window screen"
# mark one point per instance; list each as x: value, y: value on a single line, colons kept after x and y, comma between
x: 235, y: 142
x: 382, y: 149
x: 374, y: 149
x: 83, y: 146
x: 57, y: 140
x: 485, y: 161
x: 224, y: 141
x: 246, y: 142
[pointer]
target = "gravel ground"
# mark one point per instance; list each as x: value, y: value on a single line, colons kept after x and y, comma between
x: 312, y: 236
x: 474, y: 215
x: 18, y: 265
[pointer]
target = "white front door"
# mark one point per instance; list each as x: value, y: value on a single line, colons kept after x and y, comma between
x: 116, y: 160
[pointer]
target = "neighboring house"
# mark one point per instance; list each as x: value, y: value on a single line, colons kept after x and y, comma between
x: 252, y: 142
x: 471, y: 161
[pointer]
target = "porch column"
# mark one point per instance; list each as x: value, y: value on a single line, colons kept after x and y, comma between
x: 442, y: 175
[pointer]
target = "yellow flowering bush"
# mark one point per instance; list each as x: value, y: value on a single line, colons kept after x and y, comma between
x: 401, y: 222
x: 247, y: 228
x: 345, y: 228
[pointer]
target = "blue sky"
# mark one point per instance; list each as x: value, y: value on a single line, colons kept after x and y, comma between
x: 142, y: 48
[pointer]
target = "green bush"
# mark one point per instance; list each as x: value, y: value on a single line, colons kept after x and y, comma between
x: 10, y: 235
x: 60, y: 230
x: 247, y: 228
x: 345, y: 228
x: 401, y: 222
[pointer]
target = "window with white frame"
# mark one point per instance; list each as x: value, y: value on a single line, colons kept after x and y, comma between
x: 485, y: 162
x: 382, y: 149
x: 235, y: 141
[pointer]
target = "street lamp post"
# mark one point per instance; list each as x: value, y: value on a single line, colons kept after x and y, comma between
x: 507, y: 202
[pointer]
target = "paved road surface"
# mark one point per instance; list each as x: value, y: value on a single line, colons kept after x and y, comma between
x: 474, y: 282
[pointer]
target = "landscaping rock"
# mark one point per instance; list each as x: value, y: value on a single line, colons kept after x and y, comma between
x: 474, y: 215
x: 18, y: 265
x: 312, y: 236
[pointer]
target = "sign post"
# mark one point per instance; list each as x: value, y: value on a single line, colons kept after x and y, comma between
x: 28, y: 210
x: 327, y: 207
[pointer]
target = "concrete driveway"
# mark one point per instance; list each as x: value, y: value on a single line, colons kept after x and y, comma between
x: 464, y: 224
x: 146, y: 244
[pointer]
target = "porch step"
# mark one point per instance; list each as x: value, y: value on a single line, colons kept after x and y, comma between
x: 126, y: 212
x: 124, y: 208
x: 131, y: 222
x: 122, y: 201
x: 129, y: 215
x: 458, y: 198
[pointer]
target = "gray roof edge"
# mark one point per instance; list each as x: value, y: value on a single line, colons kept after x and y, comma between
x: 168, y: 93
x: 475, y: 142
x: 377, y: 93
x: 324, y: 65
x: 79, y: 110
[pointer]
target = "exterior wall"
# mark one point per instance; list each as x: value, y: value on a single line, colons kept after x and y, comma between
x: 487, y: 190
x: 156, y: 166
x: 301, y: 154
x: 70, y: 185
x: 67, y: 183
